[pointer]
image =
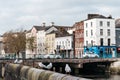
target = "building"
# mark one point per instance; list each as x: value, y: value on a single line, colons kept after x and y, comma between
x: 50, y: 40
x: 64, y: 46
x: 79, y: 39
x: 32, y: 34
x: 99, y: 35
x: 2, y: 51
x: 51, y: 33
x: 117, y: 24
x: 44, y: 38
x: 41, y: 47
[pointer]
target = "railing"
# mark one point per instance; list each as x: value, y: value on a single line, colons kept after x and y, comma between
x: 41, y: 56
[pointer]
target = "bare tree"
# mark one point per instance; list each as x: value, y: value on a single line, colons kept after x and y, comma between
x: 14, y: 42
x: 31, y: 43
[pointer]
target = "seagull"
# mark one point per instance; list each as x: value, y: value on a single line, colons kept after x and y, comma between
x: 49, y: 66
x: 41, y: 65
x: 16, y: 61
x: 20, y: 61
x: 67, y: 68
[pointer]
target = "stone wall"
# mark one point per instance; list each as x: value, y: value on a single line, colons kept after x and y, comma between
x: 115, y: 67
x: 20, y: 72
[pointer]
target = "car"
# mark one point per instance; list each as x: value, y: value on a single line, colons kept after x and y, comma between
x: 56, y: 56
x: 90, y: 55
x: 39, y: 56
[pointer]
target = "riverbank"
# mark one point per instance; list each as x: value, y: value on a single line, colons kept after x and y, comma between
x: 21, y: 72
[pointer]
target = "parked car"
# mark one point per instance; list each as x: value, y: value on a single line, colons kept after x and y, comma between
x: 52, y: 56
x: 39, y: 56
x: 90, y: 55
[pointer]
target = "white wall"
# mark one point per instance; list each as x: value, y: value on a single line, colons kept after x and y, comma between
x: 41, y: 42
x: 64, y: 42
x: 96, y: 31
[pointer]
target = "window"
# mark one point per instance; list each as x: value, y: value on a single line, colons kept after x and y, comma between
x: 86, y: 25
x: 62, y: 42
x: 86, y: 43
x: 108, y: 32
x: 101, y: 32
x: 101, y: 41
x: 86, y: 33
x: 109, y: 42
x: 92, y: 42
x: 108, y: 24
x: 91, y: 24
x: 91, y: 32
x: 101, y: 23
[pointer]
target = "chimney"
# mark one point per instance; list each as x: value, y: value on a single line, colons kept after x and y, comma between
x: 52, y: 23
x: 110, y: 17
x: 92, y: 15
x: 43, y: 24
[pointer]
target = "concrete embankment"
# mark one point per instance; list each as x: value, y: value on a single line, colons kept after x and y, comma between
x: 115, y: 67
x: 20, y: 72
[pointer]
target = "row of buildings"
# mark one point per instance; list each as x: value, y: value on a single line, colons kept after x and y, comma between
x: 97, y: 33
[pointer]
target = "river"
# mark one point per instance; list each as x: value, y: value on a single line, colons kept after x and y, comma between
x: 101, y: 77
x: 98, y: 77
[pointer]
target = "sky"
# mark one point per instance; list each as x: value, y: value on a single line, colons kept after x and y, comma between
x: 24, y: 14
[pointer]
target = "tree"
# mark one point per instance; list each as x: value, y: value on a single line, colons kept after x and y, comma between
x: 14, y: 42
x: 31, y: 43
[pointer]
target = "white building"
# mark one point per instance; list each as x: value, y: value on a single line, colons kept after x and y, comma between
x: 32, y: 33
x: 99, y: 30
x: 41, y: 41
x: 64, y: 46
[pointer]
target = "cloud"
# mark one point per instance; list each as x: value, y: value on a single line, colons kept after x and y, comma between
x: 26, y: 13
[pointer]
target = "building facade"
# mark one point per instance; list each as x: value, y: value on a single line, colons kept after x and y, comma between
x: 50, y: 41
x: 99, y: 35
x: 41, y: 49
x: 64, y: 46
x: 29, y: 34
x: 79, y: 39
x: 117, y: 24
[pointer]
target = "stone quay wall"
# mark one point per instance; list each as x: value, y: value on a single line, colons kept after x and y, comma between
x: 21, y: 72
x: 115, y: 67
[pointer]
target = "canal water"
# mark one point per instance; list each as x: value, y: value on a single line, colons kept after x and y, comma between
x: 98, y: 77
x: 101, y: 77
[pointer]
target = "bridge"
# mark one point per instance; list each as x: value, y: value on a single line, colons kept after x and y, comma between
x: 76, y: 64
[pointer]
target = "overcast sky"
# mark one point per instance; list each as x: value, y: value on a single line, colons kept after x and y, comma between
x: 17, y: 14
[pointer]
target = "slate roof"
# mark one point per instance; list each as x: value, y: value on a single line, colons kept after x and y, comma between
x: 62, y: 30
x: 117, y: 23
x: 91, y: 16
x: 39, y: 28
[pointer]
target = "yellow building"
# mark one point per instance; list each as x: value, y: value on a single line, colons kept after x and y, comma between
x: 50, y: 43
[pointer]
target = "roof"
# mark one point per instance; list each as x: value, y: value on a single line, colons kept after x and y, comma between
x: 92, y: 16
x: 39, y: 28
x: 62, y: 29
x: 60, y: 32
x: 117, y: 23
